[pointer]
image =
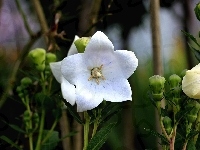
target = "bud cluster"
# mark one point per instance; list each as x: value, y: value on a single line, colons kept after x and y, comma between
x: 40, y: 59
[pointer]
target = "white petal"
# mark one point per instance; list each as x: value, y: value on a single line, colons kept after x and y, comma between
x: 73, y: 50
x: 88, y: 96
x: 191, y: 84
x: 128, y: 62
x: 73, y: 67
x: 98, y: 45
x: 55, y: 68
x: 116, y: 90
x: 68, y: 91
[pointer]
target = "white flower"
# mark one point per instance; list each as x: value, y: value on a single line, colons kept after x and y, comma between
x: 191, y: 82
x: 67, y: 89
x: 100, y: 73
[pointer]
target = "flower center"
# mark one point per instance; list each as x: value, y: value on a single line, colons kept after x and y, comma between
x: 96, y: 73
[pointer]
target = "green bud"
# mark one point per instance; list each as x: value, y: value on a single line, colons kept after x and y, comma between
x: 26, y: 116
x: 192, y: 115
x: 174, y: 81
x: 37, y: 57
x: 157, y: 84
x: 19, y: 89
x: 35, y: 118
x: 197, y: 11
x: 21, y: 95
x: 167, y: 122
x: 81, y: 44
x: 26, y: 81
x: 50, y: 57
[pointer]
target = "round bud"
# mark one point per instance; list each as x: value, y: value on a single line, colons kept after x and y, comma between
x: 81, y: 44
x: 174, y: 81
x: 50, y: 57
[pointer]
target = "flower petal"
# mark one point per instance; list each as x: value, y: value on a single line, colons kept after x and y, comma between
x: 127, y: 61
x: 55, y: 68
x: 68, y: 91
x: 73, y: 67
x: 98, y: 45
x: 73, y: 50
x: 88, y: 96
x: 191, y: 84
x: 116, y: 90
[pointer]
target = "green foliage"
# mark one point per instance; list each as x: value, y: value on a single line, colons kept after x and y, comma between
x: 52, y: 141
x: 9, y: 141
x: 100, y: 137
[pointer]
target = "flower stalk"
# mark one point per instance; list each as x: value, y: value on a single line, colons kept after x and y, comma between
x: 86, y: 129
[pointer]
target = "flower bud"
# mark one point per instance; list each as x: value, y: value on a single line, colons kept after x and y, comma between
x: 192, y: 115
x: 81, y: 44
x: 191, y: 84
x: 167, y: 122
x: 36, y: 119
x: 174, y: 81
x: 50, y: 57
x: 156, y: 84
x: 197, y: 11
x: 26, y: 81
x: 37, y: 57
x: 26, y: 116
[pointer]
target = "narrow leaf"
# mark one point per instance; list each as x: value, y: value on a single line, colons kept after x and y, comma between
x: 100, y: 137
x: 12, y: 144
x: 196, y: 52
x: 191, y: 37
x: 74, y: 113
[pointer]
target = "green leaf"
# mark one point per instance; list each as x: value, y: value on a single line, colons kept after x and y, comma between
x: 74, y: 113
x: 9, y: 141
x: 196, y: 52
x: 191, y: 145
x: 156, y: 134
x: 52, y: 141
x: 100, y: 137
x: 191, y: 37
x: 15, y: 127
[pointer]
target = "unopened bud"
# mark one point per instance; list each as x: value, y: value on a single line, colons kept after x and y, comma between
x: 37, y: 57
x: 197, y: 11
x: 174, y: 81
x: 167, y: 122
x: 192, y: 115
x: 156, y: 84
x: 50, y: 57
x: 26, y: 81
x: 81, y: 44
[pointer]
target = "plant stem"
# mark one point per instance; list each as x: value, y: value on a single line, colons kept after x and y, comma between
x: 50, y: 131
x: 185, y: 145
x: 38, y: 145
x: 86, y: 129
x: 172, y: 142
x: 197, y: 127
x: 30, y: 141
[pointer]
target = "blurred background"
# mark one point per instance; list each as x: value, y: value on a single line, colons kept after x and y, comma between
x: 127, y: 24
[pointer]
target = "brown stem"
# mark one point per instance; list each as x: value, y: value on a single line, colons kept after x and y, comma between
x: 41, y: 17
x: 65, y: 129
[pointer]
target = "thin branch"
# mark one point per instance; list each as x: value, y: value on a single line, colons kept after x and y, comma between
x: 41, y: 18
x: 24, y: 18
x: 156, y: 36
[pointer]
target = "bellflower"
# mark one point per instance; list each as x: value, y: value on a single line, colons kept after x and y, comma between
x: 67, y: 89
x: 191, y: 82
x: 100, y: 73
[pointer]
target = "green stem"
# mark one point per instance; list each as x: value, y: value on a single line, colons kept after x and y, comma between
x: 50, y: 132
x: 197, y: 127
x: 96, y: 122
x: 38, y: 144
x: 43, y: 82
x: 30, y: 141
x: 86, y: 130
